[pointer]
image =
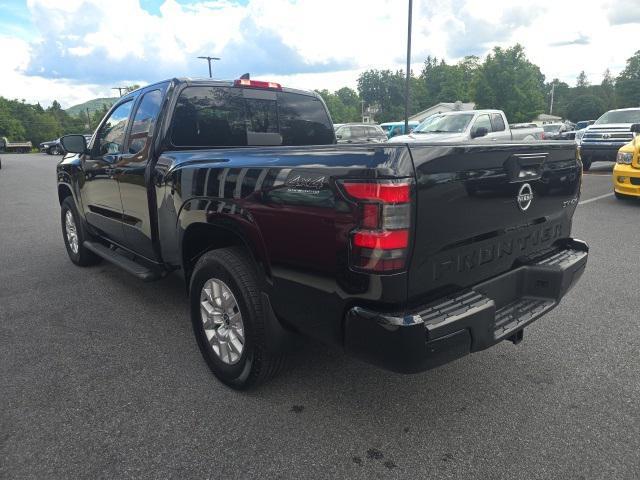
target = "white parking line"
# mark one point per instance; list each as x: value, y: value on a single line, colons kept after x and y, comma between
x: 594, y: 199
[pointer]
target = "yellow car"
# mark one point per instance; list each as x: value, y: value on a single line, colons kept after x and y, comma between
x: 626, y: 173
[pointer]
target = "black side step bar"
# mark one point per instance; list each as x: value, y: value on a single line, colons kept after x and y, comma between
x: 143, y: 273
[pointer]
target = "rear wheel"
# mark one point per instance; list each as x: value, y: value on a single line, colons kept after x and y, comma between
x: 229, y: 319
x: 586, y: 164
x: 74, y: 235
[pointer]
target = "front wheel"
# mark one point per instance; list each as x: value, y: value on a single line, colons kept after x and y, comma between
x: 229, y: 320
x: 74, y: 235
x: 586, y: 164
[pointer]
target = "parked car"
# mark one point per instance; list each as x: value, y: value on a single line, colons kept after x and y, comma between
x: 16, y: 147
x: 602, y: 140
x: 464, y: 126
x: 52, y: 147
x: 579, y: 130
x: 626, y: 173
x: 393, y: 129
x: 375, y: 248
x: 360, y: 133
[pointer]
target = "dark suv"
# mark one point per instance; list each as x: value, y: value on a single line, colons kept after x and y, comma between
x: 360, y: 133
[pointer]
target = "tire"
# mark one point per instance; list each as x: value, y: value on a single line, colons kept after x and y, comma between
x: 237, y: 367
x: 50, y: 151
x: 77, y: 252
x: 586, y: 164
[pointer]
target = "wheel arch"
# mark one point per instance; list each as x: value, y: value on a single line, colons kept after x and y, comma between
x: 64, y: 191
x: 201, y: 237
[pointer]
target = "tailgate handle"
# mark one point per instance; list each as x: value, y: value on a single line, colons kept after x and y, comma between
x: 525, y: 167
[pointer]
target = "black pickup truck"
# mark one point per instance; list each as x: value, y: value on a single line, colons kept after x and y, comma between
x: 406, y: 256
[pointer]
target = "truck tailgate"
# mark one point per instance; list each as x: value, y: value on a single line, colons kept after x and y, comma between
x: 483, y: 209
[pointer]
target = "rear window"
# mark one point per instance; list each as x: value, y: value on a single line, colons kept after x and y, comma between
x: 235, y: 117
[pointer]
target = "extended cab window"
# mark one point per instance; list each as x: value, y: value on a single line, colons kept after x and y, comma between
x: 111, y: 137
x: 497, y: 123
x: 225, y: 117
x: 144, y: 120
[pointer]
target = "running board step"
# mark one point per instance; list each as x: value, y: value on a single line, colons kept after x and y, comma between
x: 134, y: 268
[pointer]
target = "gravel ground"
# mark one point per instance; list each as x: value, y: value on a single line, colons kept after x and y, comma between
x: 100, y: 376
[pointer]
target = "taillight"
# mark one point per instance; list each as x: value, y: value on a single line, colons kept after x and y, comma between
x: 245, y: 82
x: 381, y: 241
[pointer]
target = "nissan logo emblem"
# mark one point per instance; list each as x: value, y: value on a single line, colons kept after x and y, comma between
x: 525, y: 197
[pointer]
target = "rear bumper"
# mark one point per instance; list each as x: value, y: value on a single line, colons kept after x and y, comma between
x: 469, y: 321
x: 626, y: 180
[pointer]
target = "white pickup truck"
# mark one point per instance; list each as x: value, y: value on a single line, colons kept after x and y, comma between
x: 468, y: 125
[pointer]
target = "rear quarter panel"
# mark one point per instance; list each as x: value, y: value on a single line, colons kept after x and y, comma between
x: 285, y: 204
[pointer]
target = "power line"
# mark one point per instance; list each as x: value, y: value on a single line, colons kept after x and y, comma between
x: 208, y: 59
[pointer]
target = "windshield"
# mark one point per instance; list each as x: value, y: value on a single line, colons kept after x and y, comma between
x: 620, y: 116
x: 551, y: 128
x: 445, y: 123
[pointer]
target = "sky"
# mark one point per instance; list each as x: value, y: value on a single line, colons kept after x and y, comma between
x: 76, y: 50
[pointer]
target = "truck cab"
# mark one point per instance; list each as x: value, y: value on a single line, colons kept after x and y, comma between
x: 602, y: 140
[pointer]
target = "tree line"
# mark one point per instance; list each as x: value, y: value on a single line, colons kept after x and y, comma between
x: 24, y: 121
x: 505, y: 80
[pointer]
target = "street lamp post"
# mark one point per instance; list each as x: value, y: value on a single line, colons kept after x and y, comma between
x: 408, y: 73
x: 208, y: 59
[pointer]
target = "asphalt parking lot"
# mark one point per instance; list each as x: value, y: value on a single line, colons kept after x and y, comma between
x: 100, y: 376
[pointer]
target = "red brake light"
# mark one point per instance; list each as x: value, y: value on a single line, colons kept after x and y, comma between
x: 385, y: 192
x: 245, y: 82
x: 384, y: 240
x: 381, y: 241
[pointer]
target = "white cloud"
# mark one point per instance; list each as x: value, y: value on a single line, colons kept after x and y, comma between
x: 84, y: 47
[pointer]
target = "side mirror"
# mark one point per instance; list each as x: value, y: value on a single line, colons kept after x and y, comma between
x: 74, y: 143
x: 635, y: 128
x: 479, y: 132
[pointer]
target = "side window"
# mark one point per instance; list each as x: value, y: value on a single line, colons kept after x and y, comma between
x: 482, y: 121
x: 144, y: 121
x: 372, y: 132
x: 345, y: 133
x: 497, y: 123
x: 111, y: 136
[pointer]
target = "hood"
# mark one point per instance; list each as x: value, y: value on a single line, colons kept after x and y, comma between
x: 429, y: 138
x: 609, y: 125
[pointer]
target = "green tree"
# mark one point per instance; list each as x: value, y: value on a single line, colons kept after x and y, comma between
x: 628, y: 83
x: 507, y: 80
x: 343, y: 105
x: 585, y: 107
x: 582, y: 81
x: 385, y: 89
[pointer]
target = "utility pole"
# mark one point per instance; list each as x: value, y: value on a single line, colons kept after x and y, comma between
x: 208, y: 59
x: 553, y: 88
x: 362, y: 110
x: 120, y: 89
x: 406, y: 88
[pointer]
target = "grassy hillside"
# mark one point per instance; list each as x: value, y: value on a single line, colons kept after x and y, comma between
x: 93, y: 106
